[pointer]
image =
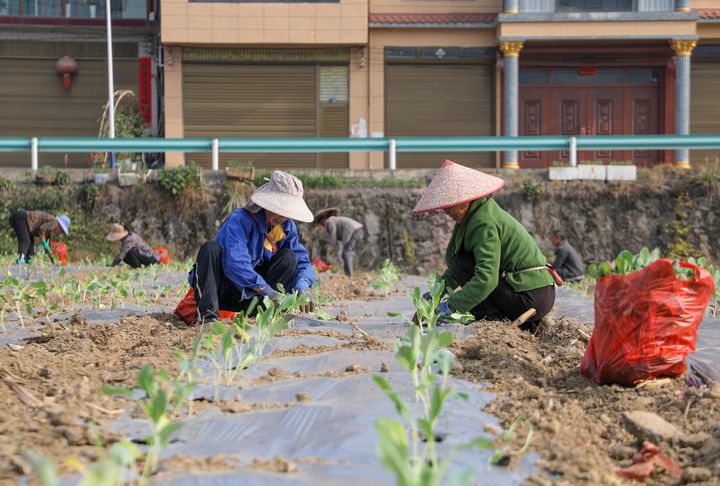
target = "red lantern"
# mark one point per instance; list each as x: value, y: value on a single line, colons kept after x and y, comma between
x: 66, y: 66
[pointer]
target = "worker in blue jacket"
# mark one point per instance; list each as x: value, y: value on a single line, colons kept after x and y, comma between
x: 255, y: 252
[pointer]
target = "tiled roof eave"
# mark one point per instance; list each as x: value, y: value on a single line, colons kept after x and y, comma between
x: 432, y: 25
x: 709, y: 15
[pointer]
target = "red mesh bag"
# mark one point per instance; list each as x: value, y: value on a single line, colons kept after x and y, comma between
x: 59, y: 251
x: 321, y: 265
x: 187, y: 309
x: 164, y: 256
x: 646, y: 323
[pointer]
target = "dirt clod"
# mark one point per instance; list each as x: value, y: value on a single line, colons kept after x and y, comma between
x: 302, y: 397
x: 650, y: 426
x: 354, y: 368
x: 696, y: 474
x: 384, y: 367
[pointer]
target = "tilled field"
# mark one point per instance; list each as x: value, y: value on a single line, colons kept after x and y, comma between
x: 304, y: 411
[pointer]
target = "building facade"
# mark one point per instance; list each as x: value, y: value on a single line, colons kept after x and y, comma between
x: 41, y: 41
x: 374, y: 68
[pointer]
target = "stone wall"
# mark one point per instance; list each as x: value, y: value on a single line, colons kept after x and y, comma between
x: 676, y: 211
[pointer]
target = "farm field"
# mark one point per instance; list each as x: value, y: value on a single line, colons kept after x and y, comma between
x: 291, y: 398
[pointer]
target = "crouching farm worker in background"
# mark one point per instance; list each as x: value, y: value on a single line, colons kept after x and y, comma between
x: 497, y: 263
x: 255, y: 252
x: 567, y: 262
x: 29, y: 224
x: 133, y: 250
x: 344, y: 232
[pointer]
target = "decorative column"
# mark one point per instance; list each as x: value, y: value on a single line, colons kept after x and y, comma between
x: 511, y: 52
x: 682, y: 5
x: 683, y: 50
x: 511, y: 6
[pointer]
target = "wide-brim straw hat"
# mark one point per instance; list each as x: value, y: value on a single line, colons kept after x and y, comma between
x: 455, y: 184
x: 64, y: 222
x: 324, y: 214
x: 117, y: 232
x: 283, y: 195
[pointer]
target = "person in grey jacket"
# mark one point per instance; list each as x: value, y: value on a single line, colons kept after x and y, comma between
x: 567, y: 261
x: 344, y: 232
x: 133, y: 250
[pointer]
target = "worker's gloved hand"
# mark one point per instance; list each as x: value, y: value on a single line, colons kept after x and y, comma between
x: 428, y: 297
x: 270, y: 292
x: 46, y: 245
x: 310, y: 305
x: 444, y: 311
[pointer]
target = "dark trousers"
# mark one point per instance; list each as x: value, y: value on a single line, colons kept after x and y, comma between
x: 26, y: 242
x: 213, y: 291
x: 504, y: 302
x: 348, y: 251
x: 134, y: 259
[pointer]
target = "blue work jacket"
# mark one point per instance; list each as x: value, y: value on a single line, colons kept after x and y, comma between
x: 242, y: 239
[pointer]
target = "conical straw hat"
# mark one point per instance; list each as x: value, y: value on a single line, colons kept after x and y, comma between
x: 456, y: 184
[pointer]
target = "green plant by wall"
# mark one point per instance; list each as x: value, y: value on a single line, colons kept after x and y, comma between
x: 6, y: 184
x: 678, y: 230
x: 409, y: 248
x: 332, y: 181
x: 531, y: 190
x: 175, y: 180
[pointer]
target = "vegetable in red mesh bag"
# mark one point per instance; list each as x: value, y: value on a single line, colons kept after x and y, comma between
x: 60, y: 252
x: 187, y: 309
x: 646, y: 322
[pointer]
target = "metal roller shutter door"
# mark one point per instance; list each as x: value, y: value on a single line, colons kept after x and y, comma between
x: 440, y: 100
x: 705, y: 106
x: 34, y: 103
x: 226, y: 100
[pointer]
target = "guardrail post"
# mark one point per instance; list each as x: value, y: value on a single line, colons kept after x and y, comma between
x: 392, y: 154
x: 215, y: 154
x: 34, y: 154
x: 573, y: 151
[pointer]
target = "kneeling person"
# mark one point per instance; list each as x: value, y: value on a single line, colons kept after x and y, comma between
x: 255, y: 251
x: 494, y: 259
x: 133, y: 250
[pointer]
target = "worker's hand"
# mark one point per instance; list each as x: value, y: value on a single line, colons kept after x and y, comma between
x: 444, y: 311
x: 428, y: 297
x: 270, y: 293
x: 310, y: 305
x: 46, y: 245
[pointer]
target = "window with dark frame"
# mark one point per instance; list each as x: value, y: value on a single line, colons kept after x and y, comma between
x: 596, y: 5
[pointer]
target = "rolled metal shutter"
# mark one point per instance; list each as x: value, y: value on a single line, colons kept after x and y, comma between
x: 231, y: 100
x: 440, y: 100
x: 705, y: 106
x: 34, y: 103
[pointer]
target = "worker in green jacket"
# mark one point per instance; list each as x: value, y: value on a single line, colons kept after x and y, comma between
x: 491, y: 256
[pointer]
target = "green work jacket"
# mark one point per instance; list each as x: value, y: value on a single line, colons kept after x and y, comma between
x: 501, y: 246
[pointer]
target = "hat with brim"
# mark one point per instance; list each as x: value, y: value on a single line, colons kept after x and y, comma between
x: 455, y: 184
x: 64, y: 223
x: 324, y: 214
x: 117, y: 232
x: 283, y: 195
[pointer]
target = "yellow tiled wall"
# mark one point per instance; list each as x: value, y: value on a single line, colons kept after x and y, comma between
x: 184, y: 22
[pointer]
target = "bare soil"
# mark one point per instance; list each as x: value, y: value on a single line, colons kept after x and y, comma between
x: 342, y: 287
x: 578, y: 427
x: 61, y: 373
x: 52, y: 395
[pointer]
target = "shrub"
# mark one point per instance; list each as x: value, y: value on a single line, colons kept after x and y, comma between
x: 177, y: 179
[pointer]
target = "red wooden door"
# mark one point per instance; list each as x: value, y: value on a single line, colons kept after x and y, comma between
x: 588, y: 110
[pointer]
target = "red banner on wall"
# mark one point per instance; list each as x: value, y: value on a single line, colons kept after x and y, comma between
x: 145, y: 88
